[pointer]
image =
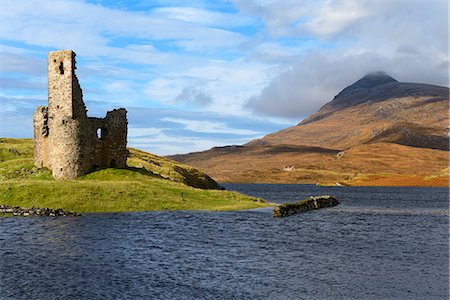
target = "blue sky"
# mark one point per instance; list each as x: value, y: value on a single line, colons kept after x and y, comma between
x: 198, y: 74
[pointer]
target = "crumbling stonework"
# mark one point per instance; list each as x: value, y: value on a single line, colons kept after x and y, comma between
x: 66, y: 140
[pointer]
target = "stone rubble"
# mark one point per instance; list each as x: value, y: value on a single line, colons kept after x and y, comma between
x: 35, y: 211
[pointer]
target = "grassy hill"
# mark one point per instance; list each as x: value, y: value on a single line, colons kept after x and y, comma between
x: 149, y: 183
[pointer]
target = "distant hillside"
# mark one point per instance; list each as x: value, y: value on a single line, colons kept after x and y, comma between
x: 377, y: 115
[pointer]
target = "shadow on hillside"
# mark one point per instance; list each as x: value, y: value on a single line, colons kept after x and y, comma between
x: 144, y: 171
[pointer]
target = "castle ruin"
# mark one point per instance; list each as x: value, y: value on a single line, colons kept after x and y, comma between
x: 66, y: 140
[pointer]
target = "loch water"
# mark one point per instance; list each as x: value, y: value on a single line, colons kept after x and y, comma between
x: 379, y: 243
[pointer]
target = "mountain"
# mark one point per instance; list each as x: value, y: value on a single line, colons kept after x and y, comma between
x: 377, y: 131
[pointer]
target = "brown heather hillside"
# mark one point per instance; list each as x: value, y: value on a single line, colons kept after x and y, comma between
x: 377, y: 131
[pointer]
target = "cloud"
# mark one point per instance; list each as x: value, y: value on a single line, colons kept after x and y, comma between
x: 138, y: 132
x: 170, y: 131
x: 210, y: 127
x: 301, y: 90
x: 21, y: 63
x: 163, y: 89
x: 90, y: 28
x: 165, y: 144
x: 194, y: 96
x: 26, y: 83
x: 389, y: 39
x: 218, y: 86
x: 10, y: 126
x: 279, y: 17
x: 203, y: 16
x: 334, y: 16
x: 22, y: 104
x: 16, y: 115
x: 318, y: 77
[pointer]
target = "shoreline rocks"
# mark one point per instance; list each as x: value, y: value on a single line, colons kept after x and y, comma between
x: 311, y: 203
x: 35, y: 211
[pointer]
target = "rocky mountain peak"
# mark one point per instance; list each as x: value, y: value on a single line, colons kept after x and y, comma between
x: 366, y: 88
x: 375, y: 87
x: 371, y: 80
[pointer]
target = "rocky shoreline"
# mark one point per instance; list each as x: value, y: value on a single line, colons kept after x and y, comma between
x: 35, y: 211
x: 285, y: 210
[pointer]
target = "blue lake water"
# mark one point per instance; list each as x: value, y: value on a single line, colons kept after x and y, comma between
x: 379, y: 243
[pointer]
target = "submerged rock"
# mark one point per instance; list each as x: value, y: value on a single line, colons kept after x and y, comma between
x: 311, y: 203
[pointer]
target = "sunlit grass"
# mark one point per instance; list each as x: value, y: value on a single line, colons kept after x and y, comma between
x: 142, y: 187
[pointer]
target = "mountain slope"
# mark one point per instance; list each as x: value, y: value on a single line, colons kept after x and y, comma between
x: 374, y: 109
x: 377, y: 116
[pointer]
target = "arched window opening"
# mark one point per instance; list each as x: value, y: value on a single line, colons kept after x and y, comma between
x: 61, y: 68
x: 101, y: 133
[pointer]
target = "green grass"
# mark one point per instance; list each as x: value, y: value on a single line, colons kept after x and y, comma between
x: 150, y: 183
x: 170, y: 169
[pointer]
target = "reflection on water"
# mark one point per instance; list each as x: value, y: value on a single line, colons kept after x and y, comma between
x: 379, y: 243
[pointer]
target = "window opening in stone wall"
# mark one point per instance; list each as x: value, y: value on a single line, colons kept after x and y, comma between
x: 61, y: 68
x: 101, y: 133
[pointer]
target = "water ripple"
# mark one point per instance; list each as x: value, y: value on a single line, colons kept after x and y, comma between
x: 378, y: 244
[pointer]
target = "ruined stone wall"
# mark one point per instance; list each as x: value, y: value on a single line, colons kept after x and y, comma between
x: 104, y: 141
x: 40, y: 118
x: 65, y: 138
x: 109, y: 137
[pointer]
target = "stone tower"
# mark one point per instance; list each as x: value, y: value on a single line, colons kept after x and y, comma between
x: 66, y: 140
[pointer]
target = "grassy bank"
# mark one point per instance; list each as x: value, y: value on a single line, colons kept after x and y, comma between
x: 150, y: 183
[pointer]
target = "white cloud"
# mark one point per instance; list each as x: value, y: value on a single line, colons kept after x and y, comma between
x: 136, y: 132
x: 163, y: 89
x: 223, y: 85
x: 21, y: 63
x: 319, y: 18
x: 89, y: 28
x: 334, y: 16
x: 164, y: 144
x: 230, y: 83
x: 278, y: 16
x: 202, y: 16
x: 210, y: 127
x: 373, y: 36
x: 318, y: 77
